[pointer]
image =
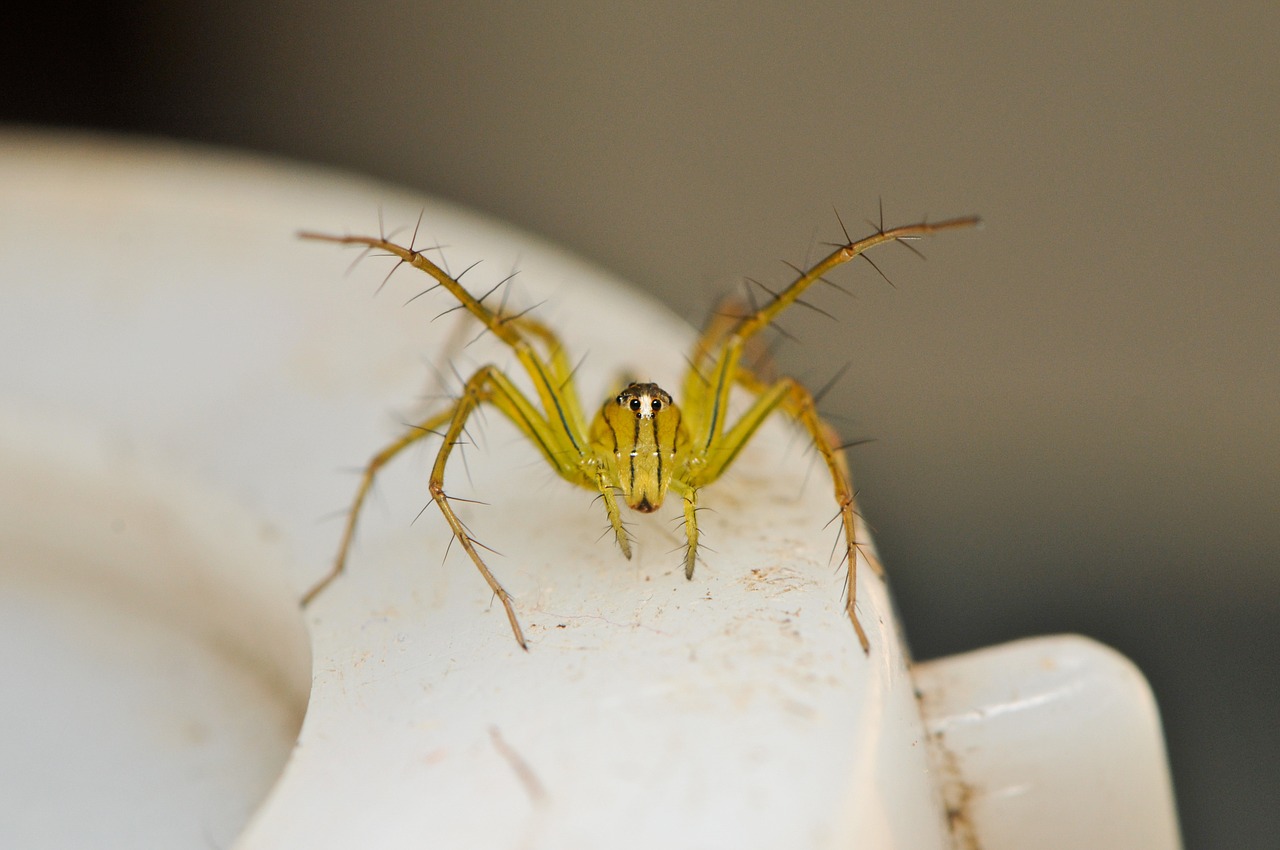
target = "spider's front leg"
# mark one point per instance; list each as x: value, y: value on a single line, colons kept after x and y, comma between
x: 716, y: 368
x: 792, y: 398
x: 561, y: 448
x: 488, y: 384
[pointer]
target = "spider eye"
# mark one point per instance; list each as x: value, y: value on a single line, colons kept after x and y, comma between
x: 657, y: 405
x: 635, y: 404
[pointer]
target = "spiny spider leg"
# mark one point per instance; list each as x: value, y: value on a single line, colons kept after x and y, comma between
x: 516, y: 333
x: 423, y: 429
x: 640, y: 444
x: 487, y: 384
x: 560, y: 434
x: 706, y: 400
x: 796, y: 401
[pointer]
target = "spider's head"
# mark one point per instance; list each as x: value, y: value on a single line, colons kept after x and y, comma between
x: 646, y: 430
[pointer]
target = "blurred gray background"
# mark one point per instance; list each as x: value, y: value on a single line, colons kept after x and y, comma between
x: 1075, y: 409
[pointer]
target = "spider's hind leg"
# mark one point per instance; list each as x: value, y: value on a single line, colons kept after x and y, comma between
x: 423, y: 429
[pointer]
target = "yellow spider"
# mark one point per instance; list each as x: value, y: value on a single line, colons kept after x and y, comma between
x: 641, y: 444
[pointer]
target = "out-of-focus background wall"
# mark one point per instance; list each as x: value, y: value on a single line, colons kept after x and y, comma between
x: 1075, y: 409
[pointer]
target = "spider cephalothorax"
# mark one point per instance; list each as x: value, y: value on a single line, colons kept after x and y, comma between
x: 641, y: 445
x: 642, y: 431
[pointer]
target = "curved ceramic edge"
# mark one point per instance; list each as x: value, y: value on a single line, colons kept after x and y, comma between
x: 154, y: 661
x: 1052, y: 743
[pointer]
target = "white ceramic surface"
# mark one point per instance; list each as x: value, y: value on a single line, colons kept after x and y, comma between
x: 1052, y: 743
x: 184, y: 390
x: 158, y: 301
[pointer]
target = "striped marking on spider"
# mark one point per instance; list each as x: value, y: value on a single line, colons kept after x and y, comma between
x: 641, y: 444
